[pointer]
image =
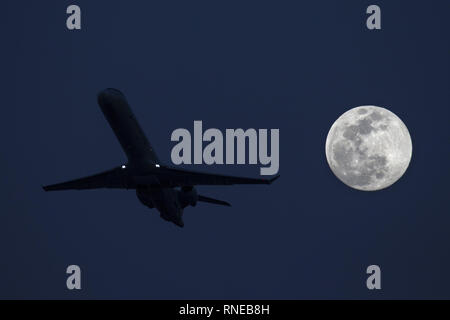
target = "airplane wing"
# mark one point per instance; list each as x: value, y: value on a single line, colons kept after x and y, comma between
x: 171, y: 177
x: 118, y: 178
x: 115, y: 178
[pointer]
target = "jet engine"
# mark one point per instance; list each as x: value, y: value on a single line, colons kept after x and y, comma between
x: 144, y: 197
x: 187, y: 196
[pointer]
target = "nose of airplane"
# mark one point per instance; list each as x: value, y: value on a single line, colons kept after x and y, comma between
x: 109, y: 95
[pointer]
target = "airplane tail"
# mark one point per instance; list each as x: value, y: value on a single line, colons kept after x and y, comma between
x: 213, y: 201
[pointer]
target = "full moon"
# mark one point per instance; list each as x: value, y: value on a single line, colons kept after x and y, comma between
x: 368, y: 148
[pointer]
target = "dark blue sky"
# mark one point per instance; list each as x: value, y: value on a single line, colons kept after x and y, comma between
x: 296, y: 66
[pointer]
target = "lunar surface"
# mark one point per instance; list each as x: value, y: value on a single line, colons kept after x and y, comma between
x: 368, y: 148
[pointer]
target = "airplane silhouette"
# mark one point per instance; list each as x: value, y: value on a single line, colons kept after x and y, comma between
x: 167, y: 189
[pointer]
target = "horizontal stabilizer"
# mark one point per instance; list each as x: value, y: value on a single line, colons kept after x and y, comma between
x: 214, y: 201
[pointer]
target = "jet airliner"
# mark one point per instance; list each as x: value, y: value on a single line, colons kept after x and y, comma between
x: 165, y: 188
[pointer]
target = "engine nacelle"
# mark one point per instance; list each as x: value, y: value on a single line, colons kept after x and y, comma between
x: 187, y: 196
x: 144, y: 197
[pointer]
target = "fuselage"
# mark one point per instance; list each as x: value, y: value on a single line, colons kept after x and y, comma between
x: 132, y: 138
x: 142, y: 158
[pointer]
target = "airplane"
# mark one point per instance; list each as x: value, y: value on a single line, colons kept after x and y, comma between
x: 167, y: 189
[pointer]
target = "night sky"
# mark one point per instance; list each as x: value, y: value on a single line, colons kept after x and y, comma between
x: 296, y: 66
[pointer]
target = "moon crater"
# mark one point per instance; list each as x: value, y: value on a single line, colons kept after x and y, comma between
x: 368, y: 148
